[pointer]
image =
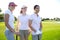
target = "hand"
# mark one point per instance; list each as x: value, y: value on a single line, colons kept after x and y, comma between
x: 29, y: 32
x: 34, y: 30
x: 40, y: 29
x: 17, y: 33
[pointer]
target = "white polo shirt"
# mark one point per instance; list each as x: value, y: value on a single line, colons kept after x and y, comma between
x: 23, y: 19
x: 35, y: 23
x: 11, y: 19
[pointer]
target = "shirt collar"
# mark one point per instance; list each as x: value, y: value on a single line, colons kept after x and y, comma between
x: 36, y: 15
x: 10, y: 11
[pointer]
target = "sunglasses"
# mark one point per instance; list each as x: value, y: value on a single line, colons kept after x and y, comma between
x: 23, y: 8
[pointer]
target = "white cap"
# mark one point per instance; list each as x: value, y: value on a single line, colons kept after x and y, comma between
x: 24, y: 6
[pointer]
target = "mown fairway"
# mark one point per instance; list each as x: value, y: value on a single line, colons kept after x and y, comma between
x: 51, y: 31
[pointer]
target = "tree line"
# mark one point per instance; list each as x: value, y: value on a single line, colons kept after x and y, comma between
x: 2, y: 18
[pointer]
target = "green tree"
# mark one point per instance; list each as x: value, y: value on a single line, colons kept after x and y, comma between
x: 1, y: 17
x: 0, y: 10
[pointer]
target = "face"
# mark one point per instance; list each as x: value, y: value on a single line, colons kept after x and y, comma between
x: 12, y: 8
x: 24, y: 9
x: 37, y: 9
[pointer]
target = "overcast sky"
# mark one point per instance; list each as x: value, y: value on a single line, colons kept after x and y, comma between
x: 49, y: 8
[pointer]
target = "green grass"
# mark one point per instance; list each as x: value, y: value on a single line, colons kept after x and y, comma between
x: 51, y: 31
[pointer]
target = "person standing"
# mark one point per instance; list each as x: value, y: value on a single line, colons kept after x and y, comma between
x: 22, y: 24
x: 9, y: 21
x: 35, y: 24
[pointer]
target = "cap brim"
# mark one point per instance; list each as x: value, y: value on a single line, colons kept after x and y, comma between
x: 15, y: 5
x: 24, y: 7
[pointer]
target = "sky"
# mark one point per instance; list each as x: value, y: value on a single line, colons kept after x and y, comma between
x: 48, y: 8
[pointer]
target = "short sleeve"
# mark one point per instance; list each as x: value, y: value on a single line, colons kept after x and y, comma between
x: 40, y: 19
x: 28, y: 16
x: 6, y: 12
x: 18, y: 17
x: 31, y: 17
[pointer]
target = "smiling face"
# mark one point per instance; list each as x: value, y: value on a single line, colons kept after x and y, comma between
x: 23, y: 10
x: 12, y: 6
x: 36, y: 9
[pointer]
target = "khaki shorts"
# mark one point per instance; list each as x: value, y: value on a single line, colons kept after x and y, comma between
x: 23, y: 34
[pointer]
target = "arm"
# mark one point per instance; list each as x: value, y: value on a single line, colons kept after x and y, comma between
x: 40, y: 25
x: 6, y: 19
x: 17, y: 26
x: 30, y: 22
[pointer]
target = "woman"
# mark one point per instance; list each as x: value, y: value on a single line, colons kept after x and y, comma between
x: 23, y: 27
x: 35, y: 24
x: 9, y: 21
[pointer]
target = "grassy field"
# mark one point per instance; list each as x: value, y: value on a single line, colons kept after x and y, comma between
x: 51, y: 31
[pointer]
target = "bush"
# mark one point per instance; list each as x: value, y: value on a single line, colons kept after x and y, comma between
x: 45, y: 19
x: 1, y: 17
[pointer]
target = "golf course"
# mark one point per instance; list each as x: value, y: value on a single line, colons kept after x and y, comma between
x: 50, y: 30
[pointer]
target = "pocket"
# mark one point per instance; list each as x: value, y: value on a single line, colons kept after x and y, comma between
x: 28, y: 32
x: 7, y: 33
x: 21, y: 32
